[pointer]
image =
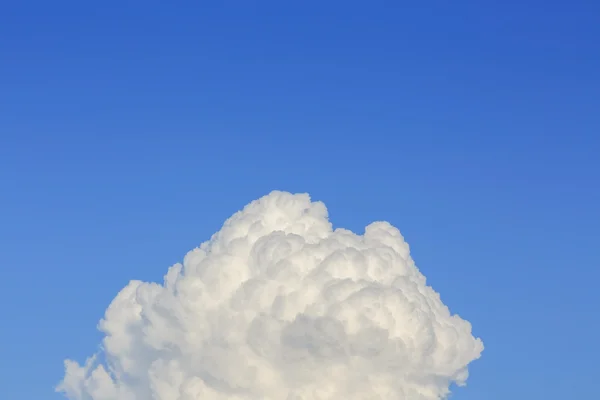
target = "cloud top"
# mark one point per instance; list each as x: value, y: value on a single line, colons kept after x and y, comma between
x: 279, y: 306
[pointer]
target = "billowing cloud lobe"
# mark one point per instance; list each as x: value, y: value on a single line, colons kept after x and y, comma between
x: 278, y: 306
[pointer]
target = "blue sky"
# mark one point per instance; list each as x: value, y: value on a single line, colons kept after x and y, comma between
x: 130, y: 131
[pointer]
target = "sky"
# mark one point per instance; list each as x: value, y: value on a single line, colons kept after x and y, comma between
x: 130, y: 131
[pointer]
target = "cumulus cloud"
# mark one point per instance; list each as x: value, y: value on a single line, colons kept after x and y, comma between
x: 279, y: 306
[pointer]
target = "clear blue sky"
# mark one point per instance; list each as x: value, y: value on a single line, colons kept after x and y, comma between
x: 131, y: 130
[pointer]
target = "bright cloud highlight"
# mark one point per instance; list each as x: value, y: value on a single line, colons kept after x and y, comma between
x: 279, y: 306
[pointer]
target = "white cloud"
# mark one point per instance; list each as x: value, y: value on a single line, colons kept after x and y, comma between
x: 278, y: 306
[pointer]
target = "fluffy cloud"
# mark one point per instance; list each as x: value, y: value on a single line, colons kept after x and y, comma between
x: 279, y: 306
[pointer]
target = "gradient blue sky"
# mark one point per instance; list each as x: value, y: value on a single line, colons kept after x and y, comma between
x: 131, y: 130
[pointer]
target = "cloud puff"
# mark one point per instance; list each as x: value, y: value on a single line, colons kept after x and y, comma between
x: 279, y: 306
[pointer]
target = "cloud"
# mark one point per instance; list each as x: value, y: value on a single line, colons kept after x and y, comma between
x: 278, y: 306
